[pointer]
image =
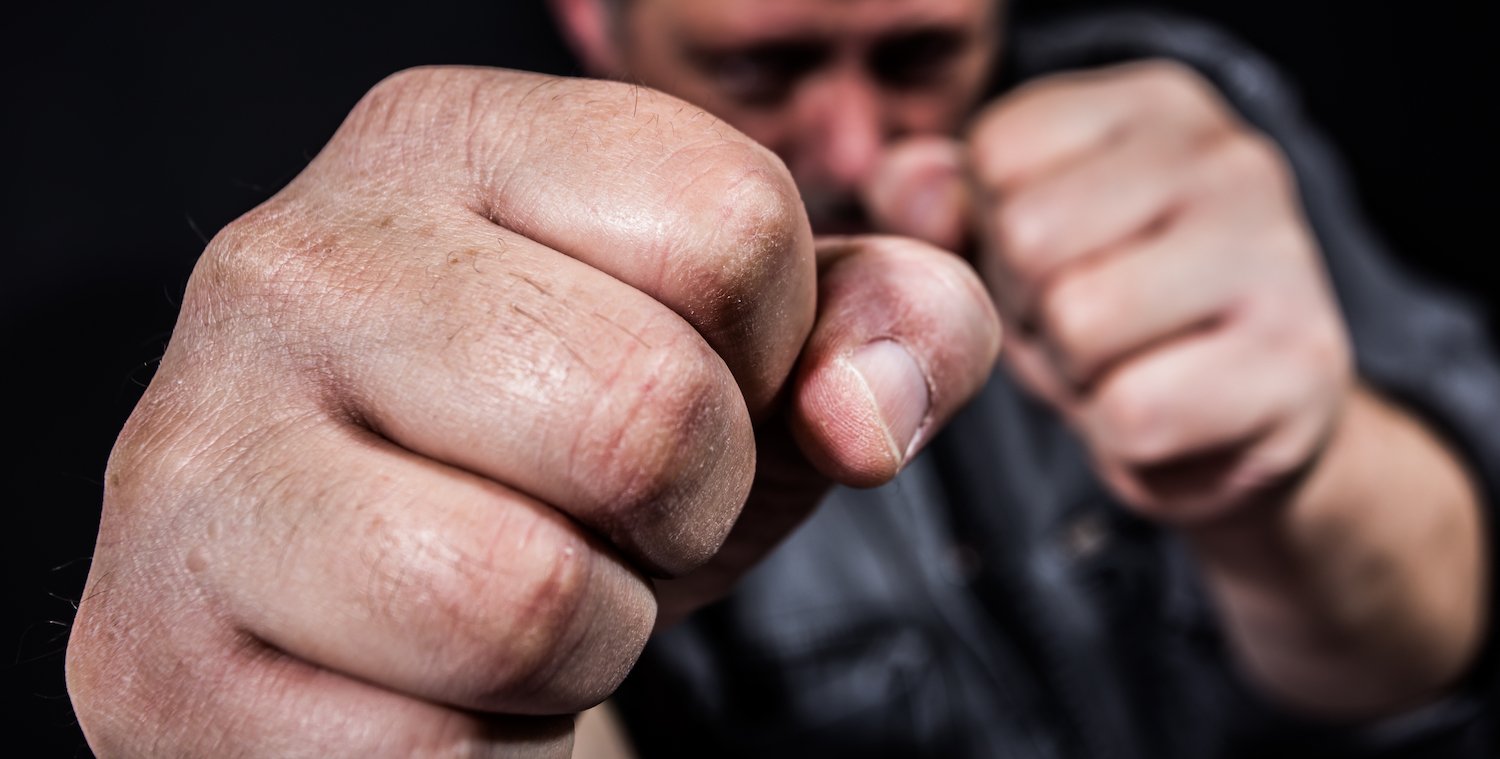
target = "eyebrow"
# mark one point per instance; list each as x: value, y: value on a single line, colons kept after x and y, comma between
x: 817, y: 46
x: 925, y: 36
x: 802, y: 48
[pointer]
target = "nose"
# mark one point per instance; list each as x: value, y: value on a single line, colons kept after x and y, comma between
x: 843, y: 129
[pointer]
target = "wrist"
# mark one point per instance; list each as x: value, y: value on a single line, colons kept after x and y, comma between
x: 1358, y: 591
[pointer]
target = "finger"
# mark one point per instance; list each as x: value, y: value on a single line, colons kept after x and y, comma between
x: 1103, y: 199
x: 920, y: 190
x: 1052, y: 121
x: 905, y: 334
x: 635, y: 183
x: 285, y: 708
x: 1201, y: 393
x: 225, y: 690
x: 536, y: 370
x: 421, y: 578
x: 1104, y: 310
x: 1222, y: 244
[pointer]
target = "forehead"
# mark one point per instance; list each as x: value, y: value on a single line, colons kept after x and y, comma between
x: 734, y: 21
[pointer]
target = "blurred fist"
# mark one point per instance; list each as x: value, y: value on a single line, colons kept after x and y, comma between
x: 437, y: 417
x: 1165, y: 292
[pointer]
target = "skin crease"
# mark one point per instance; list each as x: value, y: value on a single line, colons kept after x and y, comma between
x: 439, y: 421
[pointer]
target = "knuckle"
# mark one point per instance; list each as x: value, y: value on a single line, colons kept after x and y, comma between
x: 543, y: 614
x: 394, y: 105
x: 1254, y: 160
x: 1271, y: 464
x: 1133, y: 422
x: 1073, y: 313
x: 416, y: 125
x: 757, y: 230
x: 116, y: 681
x: 160, y: 453
x: 85, y: 668
x: 1316, y: 344
x: 124, y: 481
x: 263, y: 278
x: 986, y: 141
x: 499, y: 615
x: 1329, y: 347
x: 234, y: 260
x: 658, y: 464
x: 1176, y: 85
x: 247, y: 269
x: 1020, y: 229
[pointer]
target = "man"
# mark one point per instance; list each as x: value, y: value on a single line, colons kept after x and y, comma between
x: 522, y: 368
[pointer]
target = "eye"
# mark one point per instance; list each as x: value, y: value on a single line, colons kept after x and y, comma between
x: 763, y: 75
x: 918, y: 58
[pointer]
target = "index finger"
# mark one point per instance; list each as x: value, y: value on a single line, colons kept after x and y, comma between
x: 1051, y: 122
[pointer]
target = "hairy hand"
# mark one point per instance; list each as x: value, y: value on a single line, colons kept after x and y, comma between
x: 1165, y: 293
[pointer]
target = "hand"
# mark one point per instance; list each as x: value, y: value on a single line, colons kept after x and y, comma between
x: 1171, y: 304
x: 1168, y: 296
x: 435, y: 417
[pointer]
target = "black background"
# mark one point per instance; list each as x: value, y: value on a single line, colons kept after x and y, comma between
x: 132, y: 134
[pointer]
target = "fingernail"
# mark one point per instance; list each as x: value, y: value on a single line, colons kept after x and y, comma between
x: 899, y: 389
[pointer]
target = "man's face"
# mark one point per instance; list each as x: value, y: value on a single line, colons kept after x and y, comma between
x: 826, y: 84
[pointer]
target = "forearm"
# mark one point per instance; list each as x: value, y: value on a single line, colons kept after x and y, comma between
x: 1361, y: 591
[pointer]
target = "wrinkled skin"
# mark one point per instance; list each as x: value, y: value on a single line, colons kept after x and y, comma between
x: 439, y: 417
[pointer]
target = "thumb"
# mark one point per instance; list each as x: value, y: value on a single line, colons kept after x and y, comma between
x: 920, y: 190
x: 905, y: 334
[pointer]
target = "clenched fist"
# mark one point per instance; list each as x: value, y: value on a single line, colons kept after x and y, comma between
x: 439, y: 419
x: 1166, y: 295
